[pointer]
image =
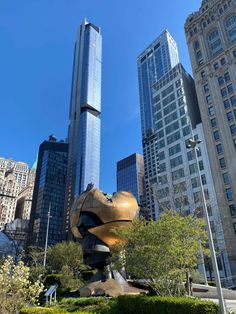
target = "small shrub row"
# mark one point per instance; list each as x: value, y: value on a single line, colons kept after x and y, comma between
x: 164, y: 305
x: 82, y: 301
x: 37, y: 310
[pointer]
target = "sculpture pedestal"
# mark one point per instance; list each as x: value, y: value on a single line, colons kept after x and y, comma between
x: 109, y: 287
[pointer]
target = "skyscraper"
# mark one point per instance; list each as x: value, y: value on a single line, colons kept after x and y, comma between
x: 211, y: 39
x: 49, y: 193
x: 130, y: 175
x: 171, y: 176
x: 85, y: 108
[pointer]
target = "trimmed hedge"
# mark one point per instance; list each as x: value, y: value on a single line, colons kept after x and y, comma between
x: 37, y: 310
x: 164, y: 305
x: 82, y: 301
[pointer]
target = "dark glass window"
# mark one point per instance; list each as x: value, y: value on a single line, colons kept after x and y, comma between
x: 203, y: 178
x: 227, y: 77
x: 216, y: 135
x: 226, y: 104
x: 220, y: 80
x: 211, y: 111
x: 216, y: 66
x: 230, y: 116
x: 209, y: 99
x: 225, y: 178
x: 201, y: 165
x: 219, y: 149
x: 229, y: 194
x: 222, y: 163
x: 203, y: 72
x: 213, y: 122
x: 233, y: 100
x: 233, y: 129
x: 232, y: 209
x: 230, y: 88
x: 223, y: 92
x: 222, y: 61
x: 206, y: 88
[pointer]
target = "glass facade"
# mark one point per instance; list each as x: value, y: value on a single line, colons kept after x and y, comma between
x: 49, y: 194
x: 160, y: 57
x: 130, y: 175
x: 85, y: 109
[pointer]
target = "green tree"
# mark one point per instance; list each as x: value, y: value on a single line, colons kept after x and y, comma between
x: 68, y: 254
x: 16, y: 289
x: 163, y: 251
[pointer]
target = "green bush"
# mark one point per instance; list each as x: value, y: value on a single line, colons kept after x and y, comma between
x: 164, y: 305
x: 47, y: 311
x: 82, y: 301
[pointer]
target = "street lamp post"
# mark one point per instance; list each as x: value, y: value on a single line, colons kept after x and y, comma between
x: 46, y: 240
x: 193, y: 144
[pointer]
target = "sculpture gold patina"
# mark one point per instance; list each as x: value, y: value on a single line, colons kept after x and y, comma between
x: 94, y: 216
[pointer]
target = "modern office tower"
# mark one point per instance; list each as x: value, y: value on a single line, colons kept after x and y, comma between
x: 171, y: 176
x: 49, y: 193
x: 130, y: 175
x: 15, y: 177
x: 85, y: 108
x: 211, y: 39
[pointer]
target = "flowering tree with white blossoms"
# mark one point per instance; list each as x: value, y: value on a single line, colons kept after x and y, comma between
x: 16, y: 290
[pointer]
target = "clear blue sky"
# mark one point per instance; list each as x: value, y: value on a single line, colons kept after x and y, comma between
x: 36, y: 54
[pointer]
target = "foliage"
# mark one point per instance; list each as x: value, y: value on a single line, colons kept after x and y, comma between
x: 66, y: 254
x: 16, y: 289
x: 46, y: 311
x: 162, y: 252
x: 68, y: 280
x: 164, y: 305
x: 197, y: 277
x: 93, y: 304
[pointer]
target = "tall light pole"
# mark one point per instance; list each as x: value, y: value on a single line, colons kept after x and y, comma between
x: 46, y: 240
x: 193, y: 144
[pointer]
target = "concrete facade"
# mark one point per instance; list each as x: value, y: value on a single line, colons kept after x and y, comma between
x: 211, y: 39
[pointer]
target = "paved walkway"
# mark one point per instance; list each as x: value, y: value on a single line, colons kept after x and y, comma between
x: 230, y: 304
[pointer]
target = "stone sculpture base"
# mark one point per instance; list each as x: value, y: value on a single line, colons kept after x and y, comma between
x: 109, y: 287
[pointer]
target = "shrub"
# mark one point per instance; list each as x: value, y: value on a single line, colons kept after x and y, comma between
x: 164, y: 305
x: 47, y: 311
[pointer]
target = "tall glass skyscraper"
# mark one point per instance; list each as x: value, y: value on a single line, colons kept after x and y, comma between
x: 156, y: 60
x: 85, y: 108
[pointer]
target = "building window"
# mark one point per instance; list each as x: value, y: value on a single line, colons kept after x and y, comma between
x: 226, y: 104
x: 230, y: 25
x: 211, y: 111
x: 233, y: 129
x: 198, y: 52
x: 209, y: 210
x: 216, y: 135
x: 234, y: 224
x: 232, y: 209
x: 206, y: 88
x: 233, y: 100
x: 214, y: 42
x: 219, y: 149
x: 230, y: 116
x: 220, y: 80
x: 209, y: 99
x: 223, y: 92
x: 227, y: 77
x: 216, y: 66
x: 229, y: 194
x: 203, y: 178
x: 195, y: 182
x: 230, y: 88
x: 222, y: 163
x: 225, y: 178
x: 203, y: 72
x: 191, y: 155
x: 213, y: 122
x: 234, y: 53
x: 222, y: 61
x: 176, y: 161
x: 193, y: 168
x: 201, y: 165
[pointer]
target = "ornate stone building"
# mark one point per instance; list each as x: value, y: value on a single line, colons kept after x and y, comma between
x: 16, y: 188
x: 211, y: 39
